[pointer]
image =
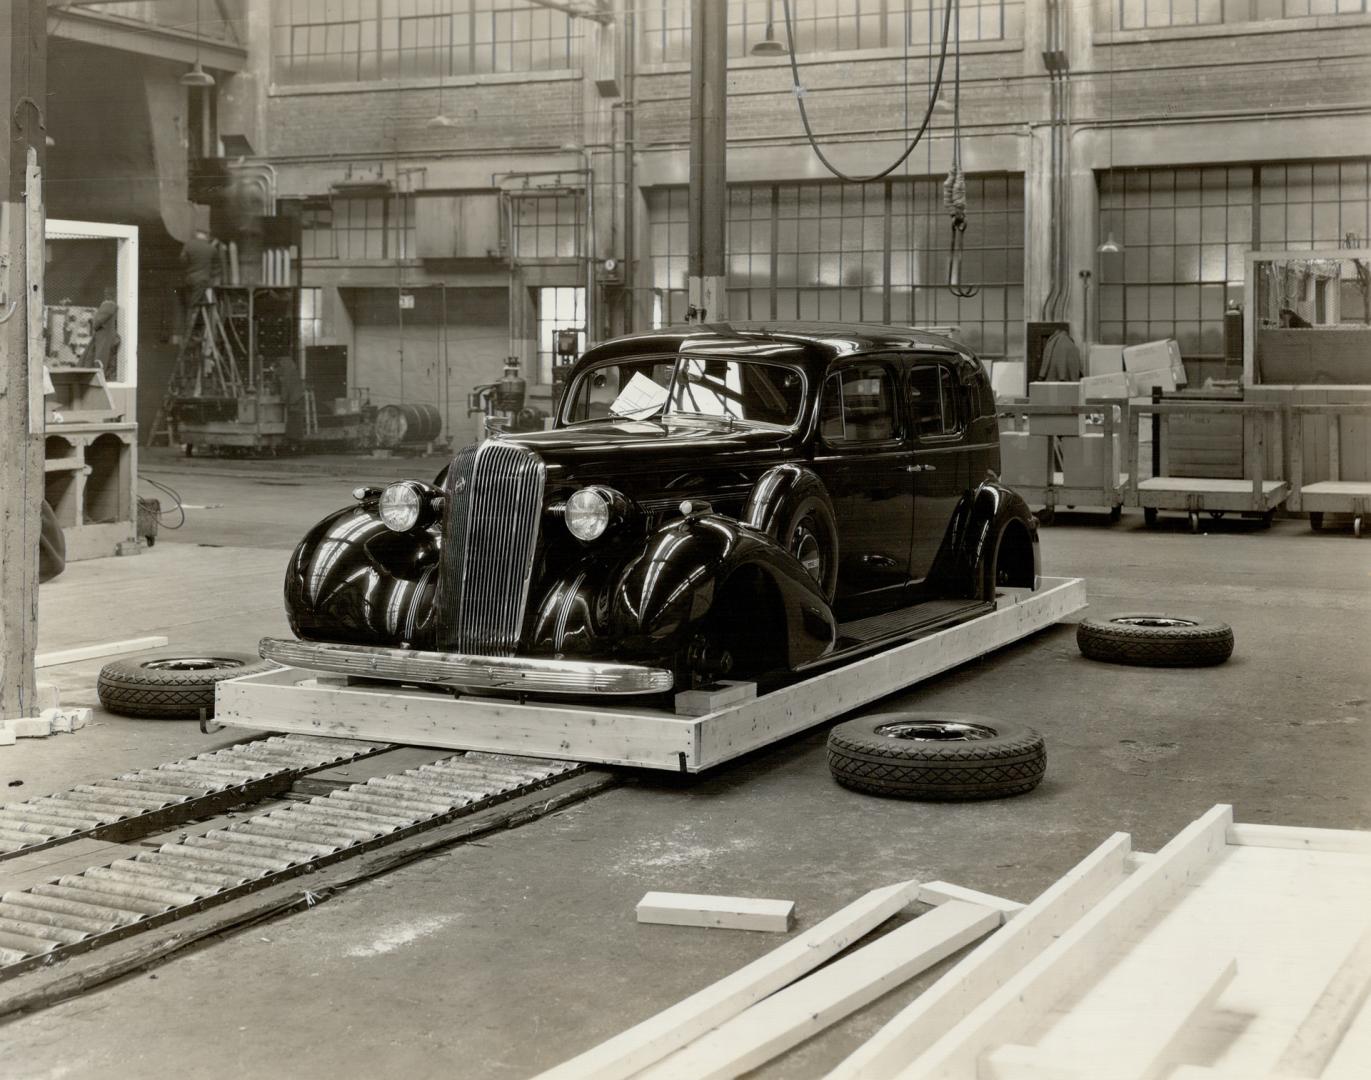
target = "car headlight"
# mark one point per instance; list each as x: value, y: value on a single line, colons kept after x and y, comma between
x: 587, y: 513
x: 401, y: 505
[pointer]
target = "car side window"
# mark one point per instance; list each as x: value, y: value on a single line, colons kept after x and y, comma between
x: 935, y: 402
x: 858, y: 405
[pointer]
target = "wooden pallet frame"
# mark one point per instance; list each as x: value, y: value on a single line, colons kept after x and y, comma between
x: 293, y: 700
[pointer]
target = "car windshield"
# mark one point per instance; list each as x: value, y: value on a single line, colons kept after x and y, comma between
x: 694, y: 386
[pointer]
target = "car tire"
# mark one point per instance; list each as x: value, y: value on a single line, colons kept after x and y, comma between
x: 936, y: 757
x: 809, y: 532
x: 171, y: 687
x: 1155, y: 640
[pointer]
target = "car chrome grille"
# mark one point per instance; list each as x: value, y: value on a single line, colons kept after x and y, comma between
x: 494, y: 509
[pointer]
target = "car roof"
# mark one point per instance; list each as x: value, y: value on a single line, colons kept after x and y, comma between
x: 812, y: 343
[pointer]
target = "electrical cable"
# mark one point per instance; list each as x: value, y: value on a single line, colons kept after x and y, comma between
x: 176, y: 498
x: 954, y: 187
x: 804, y: 113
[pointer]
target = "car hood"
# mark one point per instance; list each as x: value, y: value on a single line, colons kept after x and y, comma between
x: 634, y: 445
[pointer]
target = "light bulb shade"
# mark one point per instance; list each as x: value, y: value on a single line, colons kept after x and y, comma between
x: 197, y: 76
x: 1110, y: 245
x: 440, y: 121
x: 769, y: 46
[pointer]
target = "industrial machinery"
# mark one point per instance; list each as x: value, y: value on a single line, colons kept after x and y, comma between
x: 503, y: 402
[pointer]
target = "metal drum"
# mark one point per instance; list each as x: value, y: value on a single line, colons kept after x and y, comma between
x: 400, y: 424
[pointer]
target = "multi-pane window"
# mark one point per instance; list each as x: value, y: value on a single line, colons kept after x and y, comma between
x: 1185, y: 233
x: 872, y: 253
x: 311, y: 316
x: 826, y: 25
x: 546, y: 226
x: 558, y: 309
x: 363, y: 40
x: 1146, y: 14
x: 355, y: 229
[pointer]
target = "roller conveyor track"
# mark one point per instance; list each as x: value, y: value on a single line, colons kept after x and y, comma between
x: 47, y: 922
x: 149, y: 800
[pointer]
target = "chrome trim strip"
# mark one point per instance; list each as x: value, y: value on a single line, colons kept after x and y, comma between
x: 532, y: 675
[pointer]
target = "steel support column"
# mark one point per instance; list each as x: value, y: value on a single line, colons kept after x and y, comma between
x: 706, y: 297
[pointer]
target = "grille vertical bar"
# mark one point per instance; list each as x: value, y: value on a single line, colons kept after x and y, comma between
x: 495, y: 504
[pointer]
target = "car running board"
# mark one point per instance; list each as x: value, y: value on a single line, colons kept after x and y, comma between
x: 861, y: 636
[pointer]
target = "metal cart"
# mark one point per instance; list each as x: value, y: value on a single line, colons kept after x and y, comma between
x: 1334, y: 495
x: 1110, y: 486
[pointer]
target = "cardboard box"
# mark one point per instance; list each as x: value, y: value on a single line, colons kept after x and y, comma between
x: 1099, y: 387
x: 1083, y: 460
x: 1054, y: 393
x: 1009, y: 379
x: 1023, y: 459
x: 1104, y: 360
x: 1149, y: 356
x: 1140, y: 383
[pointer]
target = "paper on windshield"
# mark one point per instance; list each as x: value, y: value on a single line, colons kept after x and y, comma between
x: 641, y: 397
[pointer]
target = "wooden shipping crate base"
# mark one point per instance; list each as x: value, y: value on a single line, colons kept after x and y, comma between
x: 722, y: 912
x: 294, y: 700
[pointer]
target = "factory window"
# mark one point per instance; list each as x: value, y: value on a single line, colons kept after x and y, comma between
x: 316, y: 232
x: 1146, y: 14
x: 558, y: 309
x: 311, y: 316
x: 546, y: 226
x: 1185, y: 233
x: 827, y: 25
x: 363, y: 40
x: 374, y: 228
x: 821, y: 251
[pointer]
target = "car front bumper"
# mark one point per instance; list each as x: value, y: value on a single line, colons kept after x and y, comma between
x: 522, y: 674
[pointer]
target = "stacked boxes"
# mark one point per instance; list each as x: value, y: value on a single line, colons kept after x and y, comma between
x: 1056, y: 393
x: 1153, y: 364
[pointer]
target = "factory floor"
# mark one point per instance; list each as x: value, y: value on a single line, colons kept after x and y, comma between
x: 502, y: 958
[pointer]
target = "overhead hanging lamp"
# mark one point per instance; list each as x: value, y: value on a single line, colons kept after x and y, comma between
x: 197, y: 76
x: 1110, y: 246
x: 769, y: 45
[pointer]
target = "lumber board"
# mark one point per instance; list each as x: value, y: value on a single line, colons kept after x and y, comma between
x: 794, y: 1014
x: 1321, y: 1031
x: 92, y: 652
x: 942, y: 1005
x: 1343, y: 841
x: 651, y: 1040
x: 1070, y: 961
x: 940, y: 892
x: 723, y: 912
x: 1137, y: 1044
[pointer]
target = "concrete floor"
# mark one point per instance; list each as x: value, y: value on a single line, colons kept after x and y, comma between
x: 503, y: 958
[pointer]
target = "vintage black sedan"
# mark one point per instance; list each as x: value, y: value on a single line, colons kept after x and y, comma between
x: 715, y: 501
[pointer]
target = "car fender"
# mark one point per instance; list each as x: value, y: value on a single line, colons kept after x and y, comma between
x: 695, y: 568
x: 353, y: 580
x: 986, y: 518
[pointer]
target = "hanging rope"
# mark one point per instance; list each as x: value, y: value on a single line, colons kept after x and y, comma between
x: 804, y: 113
x: 954, y: 187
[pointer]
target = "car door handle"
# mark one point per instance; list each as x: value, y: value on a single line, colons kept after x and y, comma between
x: 921, y: 468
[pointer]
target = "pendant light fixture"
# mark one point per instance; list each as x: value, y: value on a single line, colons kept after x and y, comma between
x: 769, y: 45
x: 1110, y: 246
x: 197, y: 76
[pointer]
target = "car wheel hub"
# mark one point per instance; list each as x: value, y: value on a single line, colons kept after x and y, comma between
x: 1152, y: 620
x: 192, y: 663
x: 936, y: 731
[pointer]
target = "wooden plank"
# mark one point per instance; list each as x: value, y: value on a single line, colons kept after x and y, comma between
x: 732, y: 732
x: 91, y: 652
x: 1137, y: 1044
x: 1074, y: 957
x: 648, y: 1042
x: 723, y: 912
x: 1317, y: 1038
x: 940, y: 892
x: 35, y: 256
x: 289, y: 700
x: 1347, y: 841
x: 941, y: 1006
x: 794, y: 1014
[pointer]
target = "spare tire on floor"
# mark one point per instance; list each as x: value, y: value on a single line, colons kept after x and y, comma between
x: 935, y: 756
x: 1155, y: 640
x: 172, y: 687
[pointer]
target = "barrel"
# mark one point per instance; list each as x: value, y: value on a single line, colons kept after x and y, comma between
x: 400, y: 424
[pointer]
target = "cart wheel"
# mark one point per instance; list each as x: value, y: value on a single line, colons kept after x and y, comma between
x: 1316, y: 520
x: 1194, y: 521
x: 1150, y: 516
x: 1216, y: 514
x: 1115, y: 512
x: 1046, y: 515
x: 1267, y: 518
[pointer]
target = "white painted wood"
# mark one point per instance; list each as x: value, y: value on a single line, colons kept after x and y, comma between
x: 1137, y: 858
x: 1347, y: 841
x: 705, y: 701
x: 1138, y: 1043
x: 1069, y: 962
x: 940, y: 892
x: 1317, y: 1038
x: 292, y: 700
x: 91, y: 652
x: 792, y: 1015
x: 723, y: 912
x: 643, y: 1044
x: 989, y: 966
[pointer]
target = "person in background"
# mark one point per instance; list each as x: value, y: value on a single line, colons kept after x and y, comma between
x: 201, y: 259
x: 102, y: 351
